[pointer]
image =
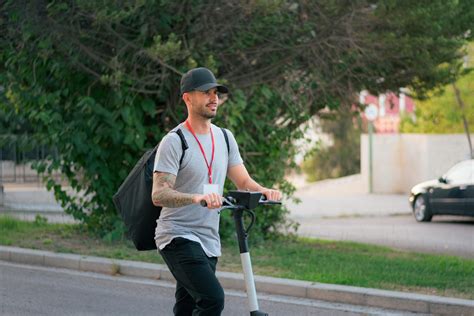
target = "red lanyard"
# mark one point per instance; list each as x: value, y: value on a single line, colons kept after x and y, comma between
x: 209, y: 166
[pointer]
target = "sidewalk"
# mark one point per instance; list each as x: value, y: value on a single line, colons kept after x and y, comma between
x: 406, y: 302
x: 343, y: 197
x: 29, y: 197
x: 25, y: 201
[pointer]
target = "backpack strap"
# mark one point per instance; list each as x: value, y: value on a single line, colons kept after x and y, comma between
x: 184, y: 144
x: 226, y: 139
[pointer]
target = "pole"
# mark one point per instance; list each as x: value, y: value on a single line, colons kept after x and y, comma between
x: 463, y: 113
x: 371, y: 131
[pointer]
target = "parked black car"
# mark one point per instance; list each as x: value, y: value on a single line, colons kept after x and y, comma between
x: 451, y: 194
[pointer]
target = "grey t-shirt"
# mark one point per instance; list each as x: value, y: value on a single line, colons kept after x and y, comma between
x: 194, y: 222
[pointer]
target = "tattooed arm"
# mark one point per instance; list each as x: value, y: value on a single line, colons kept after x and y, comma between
x: 164, y: 194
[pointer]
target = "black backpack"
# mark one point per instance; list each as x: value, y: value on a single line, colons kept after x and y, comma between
x: 133, y: 198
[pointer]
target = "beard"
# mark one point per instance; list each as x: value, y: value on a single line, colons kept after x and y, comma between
x: 208, y: 115
x: 204, y: 112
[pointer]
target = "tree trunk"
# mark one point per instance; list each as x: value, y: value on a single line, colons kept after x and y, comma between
x: 466, y: 126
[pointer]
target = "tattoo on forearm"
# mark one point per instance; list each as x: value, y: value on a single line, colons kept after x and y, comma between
x: 164, y: 193
x: 171, y: 198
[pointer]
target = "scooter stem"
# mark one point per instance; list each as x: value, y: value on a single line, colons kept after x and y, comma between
x: 246, y: 263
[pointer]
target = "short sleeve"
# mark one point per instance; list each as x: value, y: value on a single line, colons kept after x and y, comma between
x: 168, y: 154
x: 234, y: 153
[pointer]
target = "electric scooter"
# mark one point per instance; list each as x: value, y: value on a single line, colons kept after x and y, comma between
x: 240, y: 202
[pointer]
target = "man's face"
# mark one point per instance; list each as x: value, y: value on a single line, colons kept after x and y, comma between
x: 204, y: 103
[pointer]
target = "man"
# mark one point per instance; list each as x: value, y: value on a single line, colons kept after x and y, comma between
x: 187, y: 234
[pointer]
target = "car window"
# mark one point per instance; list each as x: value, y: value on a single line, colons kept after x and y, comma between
x: 463, y: 172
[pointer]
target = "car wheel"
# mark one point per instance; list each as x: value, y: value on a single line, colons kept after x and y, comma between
x: 421, y: 209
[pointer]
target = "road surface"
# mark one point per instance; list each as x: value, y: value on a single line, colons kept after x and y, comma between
x: 29, y: 290
x: 444, y: 235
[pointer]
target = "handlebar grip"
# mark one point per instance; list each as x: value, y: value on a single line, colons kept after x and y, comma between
x: 203, y: 203
x: 264, y: 200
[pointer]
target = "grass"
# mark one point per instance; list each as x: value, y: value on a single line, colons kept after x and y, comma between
x: 344, y: 263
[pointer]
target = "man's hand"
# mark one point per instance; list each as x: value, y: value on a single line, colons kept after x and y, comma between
x: 272, y: 195
x: 213, y: 200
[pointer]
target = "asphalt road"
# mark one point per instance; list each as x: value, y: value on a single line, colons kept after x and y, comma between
x: 30, y: 290
x: 445, y: 234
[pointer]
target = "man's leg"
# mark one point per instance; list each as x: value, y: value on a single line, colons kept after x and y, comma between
x: 194, y: 272
x: 184, y: 301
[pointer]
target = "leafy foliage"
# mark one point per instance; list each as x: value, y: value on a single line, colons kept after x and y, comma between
x: 440, y: 112
x: 100, y: 80
x: 342, y: 156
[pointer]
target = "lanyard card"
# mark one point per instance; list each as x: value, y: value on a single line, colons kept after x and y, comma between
x: 210, y: 188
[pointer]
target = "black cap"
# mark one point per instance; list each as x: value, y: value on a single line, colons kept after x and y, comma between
x: 200, y: 79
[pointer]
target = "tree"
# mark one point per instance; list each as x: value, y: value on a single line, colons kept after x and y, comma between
x: 100, y: 80
x: 449, y: 109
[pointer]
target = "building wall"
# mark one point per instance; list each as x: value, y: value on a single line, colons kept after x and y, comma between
x: 403, y: 160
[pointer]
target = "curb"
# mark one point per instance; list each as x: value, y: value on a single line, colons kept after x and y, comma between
x: 411, y: 302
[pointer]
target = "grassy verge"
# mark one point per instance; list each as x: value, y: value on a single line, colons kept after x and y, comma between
x: 294, y: 258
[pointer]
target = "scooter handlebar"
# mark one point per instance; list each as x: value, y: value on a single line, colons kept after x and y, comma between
x: 229, y: 201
